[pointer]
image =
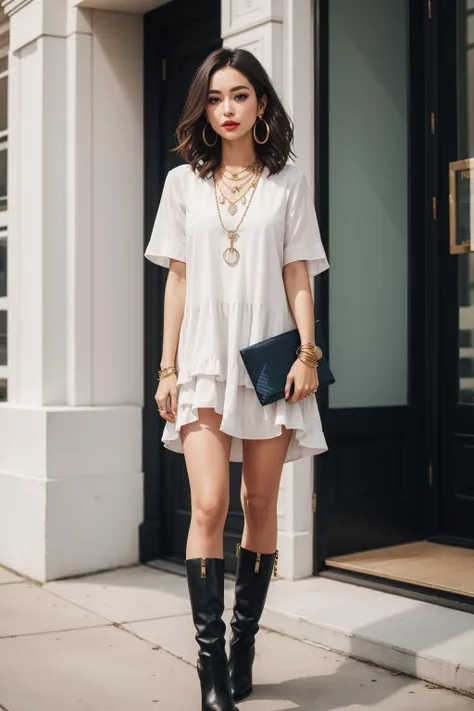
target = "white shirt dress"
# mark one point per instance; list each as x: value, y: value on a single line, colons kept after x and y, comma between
x: 228, y: 308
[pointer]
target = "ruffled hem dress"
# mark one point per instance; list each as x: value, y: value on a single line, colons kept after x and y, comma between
x: 229, y: 308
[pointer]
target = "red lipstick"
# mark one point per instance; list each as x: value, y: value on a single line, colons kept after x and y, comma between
x: 230, y: 125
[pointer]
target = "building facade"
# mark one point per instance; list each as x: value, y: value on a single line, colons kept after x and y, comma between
x: 383, y: 106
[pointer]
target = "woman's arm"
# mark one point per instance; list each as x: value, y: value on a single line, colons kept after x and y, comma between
x: 300, y: 300
x: 175, y: 294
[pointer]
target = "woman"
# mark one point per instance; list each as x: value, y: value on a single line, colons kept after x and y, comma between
x: 236, y: 227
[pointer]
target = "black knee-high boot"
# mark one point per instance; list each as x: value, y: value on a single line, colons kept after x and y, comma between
x: 206, y: 591
x: 254, y: 572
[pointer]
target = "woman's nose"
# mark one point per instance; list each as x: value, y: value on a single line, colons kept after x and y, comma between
x: 228, y: 110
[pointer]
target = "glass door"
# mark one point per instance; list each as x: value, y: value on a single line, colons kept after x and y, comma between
x: 370, y: 487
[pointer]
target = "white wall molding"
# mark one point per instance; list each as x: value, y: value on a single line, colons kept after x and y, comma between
x: 79, y: 264
x: 239, y: 15
x: 299, y: 80
x: 33, y: 19
x: 265, y: 42
x: 117, y: 214
x: 130, y: 6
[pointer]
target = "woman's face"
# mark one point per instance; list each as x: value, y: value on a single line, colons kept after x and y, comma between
x: 232, y: 104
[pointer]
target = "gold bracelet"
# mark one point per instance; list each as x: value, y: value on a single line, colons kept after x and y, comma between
x: 309, y: 354
x: 166, y: 372
x: 309, y: 362
x: 311, y: 350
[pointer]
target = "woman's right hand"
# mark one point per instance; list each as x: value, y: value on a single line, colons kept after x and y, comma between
x: 167, y: 397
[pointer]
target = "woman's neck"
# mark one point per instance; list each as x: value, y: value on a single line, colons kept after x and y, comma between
x: 238, y: 154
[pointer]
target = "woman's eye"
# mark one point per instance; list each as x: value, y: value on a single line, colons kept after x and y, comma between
x: 241, y: 97
x: 213, y: 99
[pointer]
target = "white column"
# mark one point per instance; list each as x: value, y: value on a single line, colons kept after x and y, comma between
x: 70, y: 437
x: 280, y: 34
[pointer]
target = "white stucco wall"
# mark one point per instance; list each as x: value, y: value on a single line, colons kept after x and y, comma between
x: 71, y: 485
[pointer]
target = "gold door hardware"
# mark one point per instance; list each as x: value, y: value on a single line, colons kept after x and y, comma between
x: 314, y: 503
x: 433, y: 123
x: 429, y: 9
x: 461, y: 206
x: 435, y: 208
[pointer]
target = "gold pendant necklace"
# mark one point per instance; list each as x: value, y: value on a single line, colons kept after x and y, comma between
x: 231, y: 254
x: 233, y: 204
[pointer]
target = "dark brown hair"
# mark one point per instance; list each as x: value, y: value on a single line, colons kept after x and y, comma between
x: 205, y: 159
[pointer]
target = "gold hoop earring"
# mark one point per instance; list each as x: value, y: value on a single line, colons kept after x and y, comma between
x: 267, y: 127
x: 204, y: 136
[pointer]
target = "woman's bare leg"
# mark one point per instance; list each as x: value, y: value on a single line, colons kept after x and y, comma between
x: 263, y: 464
x: 207, y: 452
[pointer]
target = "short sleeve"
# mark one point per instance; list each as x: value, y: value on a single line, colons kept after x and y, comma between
x: 302, y: 235
x: 168, y: 238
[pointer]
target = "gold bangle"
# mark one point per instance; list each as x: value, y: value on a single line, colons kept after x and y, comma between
x: 309, y: 354
x: 166, y: 372
x: 166, y: 375
x: 308, y: 361
x: 311, y: 351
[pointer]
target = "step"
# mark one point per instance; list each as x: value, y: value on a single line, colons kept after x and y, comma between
x: 421, y: 639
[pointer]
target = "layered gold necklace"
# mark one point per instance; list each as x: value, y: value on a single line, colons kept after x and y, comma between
x: 247, y: 179
x: 238, y: 184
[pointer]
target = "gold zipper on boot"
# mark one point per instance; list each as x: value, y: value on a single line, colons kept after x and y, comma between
x: 275, y: 565
x: 203, y: 568
x: 257, y: 562
x: 237, y: 550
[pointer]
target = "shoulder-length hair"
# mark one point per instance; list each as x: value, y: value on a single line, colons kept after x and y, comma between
x: 205, y: 159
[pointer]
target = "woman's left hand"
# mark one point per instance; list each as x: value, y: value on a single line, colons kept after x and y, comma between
x: 305, y: 380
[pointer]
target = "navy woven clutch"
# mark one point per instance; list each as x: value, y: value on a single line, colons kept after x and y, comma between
x: 269, y: 362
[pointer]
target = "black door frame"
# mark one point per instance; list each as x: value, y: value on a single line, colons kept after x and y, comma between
x: 150, y: 538
x: 455, y: 420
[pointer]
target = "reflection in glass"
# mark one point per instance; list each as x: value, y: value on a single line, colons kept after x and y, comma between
x: 3, y: 390
x: 3, y: 338
x: 465, y: 44
x: 3, y: 267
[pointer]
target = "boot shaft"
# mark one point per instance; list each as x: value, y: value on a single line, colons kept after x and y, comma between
x: 252, y: 581
x: 206, y: 591
x: 254, y: 572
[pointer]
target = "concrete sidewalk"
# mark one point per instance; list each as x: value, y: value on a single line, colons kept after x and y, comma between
x: 123, y: 640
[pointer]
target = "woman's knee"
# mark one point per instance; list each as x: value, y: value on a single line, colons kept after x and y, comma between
x: 209, y: 514
x: 258, y: 507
